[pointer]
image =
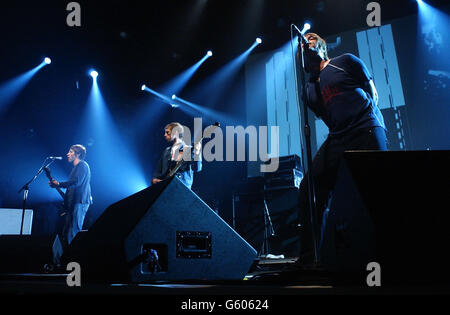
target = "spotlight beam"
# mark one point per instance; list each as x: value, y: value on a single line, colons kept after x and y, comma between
x: 176, y: 84
x: 10, y: 89
x: 217, y: 82
x: 99, y: 124
x: 164, y: 98
x: 206, y: 111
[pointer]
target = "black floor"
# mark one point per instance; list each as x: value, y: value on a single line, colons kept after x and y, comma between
x: 267, y: 278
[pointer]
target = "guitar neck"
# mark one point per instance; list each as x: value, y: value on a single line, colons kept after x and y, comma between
x: 180, y: 162
x: 61, y: 193
x: 50, y: 178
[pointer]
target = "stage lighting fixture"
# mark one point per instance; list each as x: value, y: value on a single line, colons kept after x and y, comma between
x: 94, y: 74
x: 209, y: 53
x: 143, y: 87
x: 259, y: 40
x: 306, y: 27
x: 47, y: 60
x: 174, y: 96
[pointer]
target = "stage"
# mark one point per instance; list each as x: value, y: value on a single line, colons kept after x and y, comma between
x: 225, y: 151
x: 270, y: 280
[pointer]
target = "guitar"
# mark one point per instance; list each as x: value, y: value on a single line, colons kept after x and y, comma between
x: 180, y: 162
x: 50, y: 178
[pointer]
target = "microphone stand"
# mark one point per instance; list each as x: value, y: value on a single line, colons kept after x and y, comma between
x: 307, y: 129
x: 26, y: 189
x: 268, y: 229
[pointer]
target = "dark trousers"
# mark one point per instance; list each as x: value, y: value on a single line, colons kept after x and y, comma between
x: 324, y: 168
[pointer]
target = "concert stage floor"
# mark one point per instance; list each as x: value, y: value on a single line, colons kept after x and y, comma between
x: 273, y: 280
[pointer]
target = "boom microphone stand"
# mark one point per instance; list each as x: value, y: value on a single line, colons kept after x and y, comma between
x: 307, y: 129
x: 26, y: 189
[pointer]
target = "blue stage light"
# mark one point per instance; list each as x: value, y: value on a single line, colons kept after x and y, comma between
x: 163, y: 97
x: 143, y: 87
x: 47, y: 60
x: 259, y: 40
x: 306, y: 27
x: 209, y: 53
x: 99, y: 124
x: 217, y: 82
x: 194, y: 109
x: 11, y: 88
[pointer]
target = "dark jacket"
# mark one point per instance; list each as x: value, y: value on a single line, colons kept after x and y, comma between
x: 78, y: 186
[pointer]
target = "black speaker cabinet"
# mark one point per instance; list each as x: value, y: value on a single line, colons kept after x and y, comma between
x: 390, y: 208
x: 164, y: 232
x: 28, y: 253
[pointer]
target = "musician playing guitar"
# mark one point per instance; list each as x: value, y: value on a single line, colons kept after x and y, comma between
x: 78, y: 192
x: 168, y: 166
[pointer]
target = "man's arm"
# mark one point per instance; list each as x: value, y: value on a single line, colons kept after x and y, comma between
x: 362, y: 76
x: 158, y: 172
x: 197, y: 167
x: 370, y: 88
x: 77, y: 178
x: 197, y: 163
x: 314, y: 97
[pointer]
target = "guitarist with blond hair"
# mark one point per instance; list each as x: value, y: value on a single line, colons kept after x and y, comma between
x: 167, y: 164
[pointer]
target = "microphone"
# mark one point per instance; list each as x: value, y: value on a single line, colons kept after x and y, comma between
x: 301, y: 34
x: 55, y: 157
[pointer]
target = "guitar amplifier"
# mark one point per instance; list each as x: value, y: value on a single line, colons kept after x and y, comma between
x: 282, y: 205
x: 288, y: 162
x: 290, y: 178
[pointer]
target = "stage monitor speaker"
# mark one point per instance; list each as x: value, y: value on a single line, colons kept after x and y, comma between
x: 11, y: 221
x: 391, y: 208
x: 164, y: 232
x: 29, y: 253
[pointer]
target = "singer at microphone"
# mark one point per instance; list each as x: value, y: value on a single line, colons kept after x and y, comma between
x: 78, y: 192
x: 342, y: 94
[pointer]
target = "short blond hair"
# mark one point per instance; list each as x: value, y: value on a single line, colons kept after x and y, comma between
x: 177, y: 126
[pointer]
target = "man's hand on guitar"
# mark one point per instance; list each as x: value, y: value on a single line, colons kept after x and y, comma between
x: 197, y: 148
x: 156, y: 180
x: 53, y: 184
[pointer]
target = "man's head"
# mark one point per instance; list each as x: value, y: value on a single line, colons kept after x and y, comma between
x: 76, y: 152
x: 315, y: 55
x: 173, y: 131
x: 318, y: 44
